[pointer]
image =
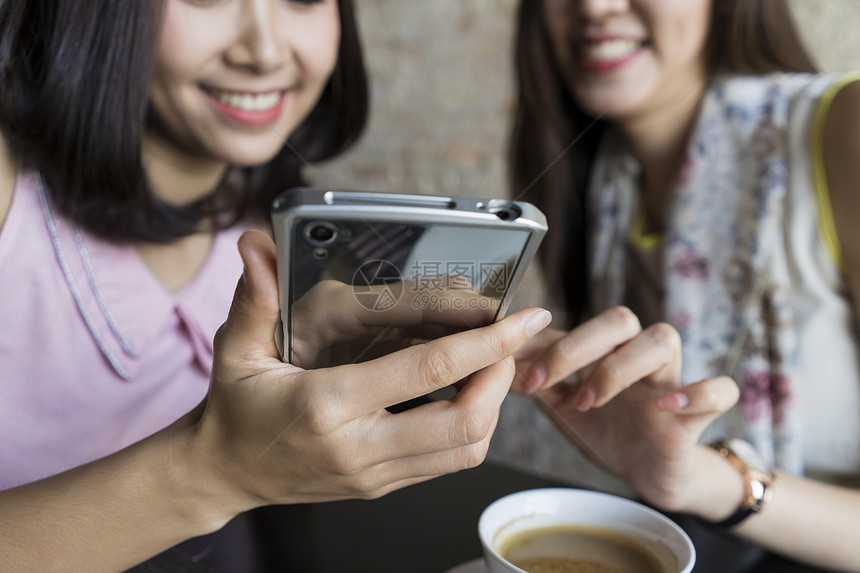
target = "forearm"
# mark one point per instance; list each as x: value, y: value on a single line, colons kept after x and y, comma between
x: 811, y: 522
x: 110, y: 514
x: 808, y: 521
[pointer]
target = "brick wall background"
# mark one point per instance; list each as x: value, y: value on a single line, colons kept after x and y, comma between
x: 441, y: 92
x: 830, y: 30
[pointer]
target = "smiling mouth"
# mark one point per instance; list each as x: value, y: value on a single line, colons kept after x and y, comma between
x: 608, y: 51
x: 244, y: 101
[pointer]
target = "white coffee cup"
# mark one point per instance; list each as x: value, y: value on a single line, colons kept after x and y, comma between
x: 542, y: 508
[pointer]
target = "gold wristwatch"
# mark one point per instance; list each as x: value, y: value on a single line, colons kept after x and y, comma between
x: 758, y: 478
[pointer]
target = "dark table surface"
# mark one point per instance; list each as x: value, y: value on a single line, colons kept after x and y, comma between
x: 429, y: 527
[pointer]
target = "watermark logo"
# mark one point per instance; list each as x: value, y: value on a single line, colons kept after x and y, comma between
x: 377, y: 285
x: 490, y: 278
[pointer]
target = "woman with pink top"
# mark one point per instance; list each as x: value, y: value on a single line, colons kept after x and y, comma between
x: 140, y: 142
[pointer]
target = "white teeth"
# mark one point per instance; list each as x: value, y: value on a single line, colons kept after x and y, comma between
x: 609, y: 50
x: 248, y: 102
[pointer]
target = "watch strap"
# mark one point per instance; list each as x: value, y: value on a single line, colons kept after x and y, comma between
x: 758, y: 485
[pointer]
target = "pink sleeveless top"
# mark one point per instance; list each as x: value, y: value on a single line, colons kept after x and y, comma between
x: 95, y: 353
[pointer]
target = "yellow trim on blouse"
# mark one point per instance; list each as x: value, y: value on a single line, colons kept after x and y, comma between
x: 639, y: 239
x: 826, y: 224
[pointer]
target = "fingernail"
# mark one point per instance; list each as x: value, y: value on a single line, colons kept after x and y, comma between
x: 535, y: 378
x: 674, y: 401
x: 538, y: 321
x: 585, y: 399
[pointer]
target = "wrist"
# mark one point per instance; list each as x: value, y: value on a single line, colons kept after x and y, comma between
x: 720, y: 488
x: 756, y: 474
x: 202, y: 496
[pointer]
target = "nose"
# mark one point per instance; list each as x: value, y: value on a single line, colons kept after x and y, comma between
x: 260, y: 45
x: 599, y: 9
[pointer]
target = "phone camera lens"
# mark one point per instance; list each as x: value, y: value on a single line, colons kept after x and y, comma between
x: 504, y: 210
x: 320, y: 233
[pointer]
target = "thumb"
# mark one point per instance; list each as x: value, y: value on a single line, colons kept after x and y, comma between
x: 249, y: 332
x: 701, y: 403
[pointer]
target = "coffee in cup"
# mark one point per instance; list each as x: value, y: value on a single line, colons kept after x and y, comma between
x: 560, y: 530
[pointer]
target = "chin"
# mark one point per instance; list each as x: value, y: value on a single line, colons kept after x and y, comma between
x: 251, y: 160
x: 249, y: 155
x: 608, y: 109
x: 615, y: 103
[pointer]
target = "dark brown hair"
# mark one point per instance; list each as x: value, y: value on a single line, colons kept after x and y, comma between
x: 73, y: 105
x: 553, y: 142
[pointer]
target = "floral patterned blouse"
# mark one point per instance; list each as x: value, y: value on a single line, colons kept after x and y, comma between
x: 748, y: 271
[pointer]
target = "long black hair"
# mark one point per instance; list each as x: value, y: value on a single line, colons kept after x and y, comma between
x: 745, y: 37
x: 74, y: 77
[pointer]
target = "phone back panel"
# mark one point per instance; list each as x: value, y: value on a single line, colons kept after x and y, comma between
x: 389, y: 248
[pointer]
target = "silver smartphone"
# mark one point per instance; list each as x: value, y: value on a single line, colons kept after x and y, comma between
x: 361, y: 273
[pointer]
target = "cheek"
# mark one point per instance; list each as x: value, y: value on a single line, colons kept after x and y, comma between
x: 312, y: 36
x: 685, y: 30
x: 698, y: 23
x: 319, y: 43
x: 186, y: 41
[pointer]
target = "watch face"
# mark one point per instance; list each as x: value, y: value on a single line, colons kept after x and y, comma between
x: 748, y: 455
